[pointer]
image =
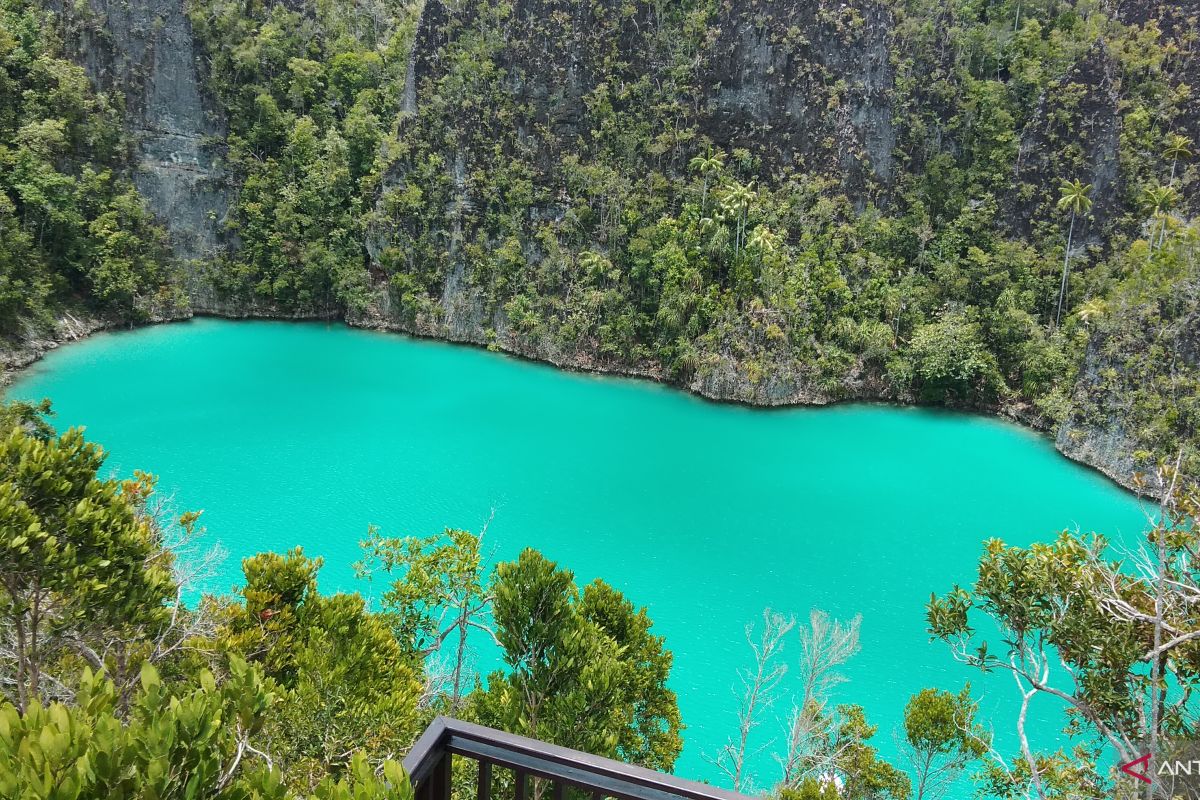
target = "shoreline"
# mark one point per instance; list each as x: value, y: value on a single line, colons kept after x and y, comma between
x: 70, y: 329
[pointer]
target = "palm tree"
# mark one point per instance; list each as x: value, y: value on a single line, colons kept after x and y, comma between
x: 763, y: 239
x: 596, y: 266
x: 593, y: 262
x: 1177, y: 148
x: 764, y: 242
x: 736, y: 203
x: 1158, y: 201
x: 1093, y: 309
x: 1074, y: 198
x: 710, y: 165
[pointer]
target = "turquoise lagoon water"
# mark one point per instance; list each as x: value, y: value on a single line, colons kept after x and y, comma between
x: 304, y: 434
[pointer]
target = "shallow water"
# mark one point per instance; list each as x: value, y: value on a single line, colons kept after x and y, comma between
x: 303, y: 434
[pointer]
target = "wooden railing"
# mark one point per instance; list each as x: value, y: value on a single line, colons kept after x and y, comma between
x: 430, y: 763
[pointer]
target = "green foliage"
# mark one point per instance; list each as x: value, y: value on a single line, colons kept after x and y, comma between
x: 175, y: 744
x: 952, y: 362
x: 1125, y: 635
x: 364, y: 782
x: 435, y: 574
x: 333, y: 702
x: 71, y: 223
x: 943, y: 739
x: 30, y: 417
x: 640, y: 240
x: 86, y: 582
x: 440, y: 590
x: 629, y: 231
x: 1138, y: 334
x: 585, y: 671
x: 75, y: 551
x: 1074, y: 197
x: 170, y: 746
x: 1062, y: 775
x: 309, y: 97
x: 619, y: 233
x: 855, y: 771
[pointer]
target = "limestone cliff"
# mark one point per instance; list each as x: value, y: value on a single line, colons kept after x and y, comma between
x: 144, y: 51
x: 827, y: 89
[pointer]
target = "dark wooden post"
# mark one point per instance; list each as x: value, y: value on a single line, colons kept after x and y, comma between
x: 436, y: 785
x: 484, y: 790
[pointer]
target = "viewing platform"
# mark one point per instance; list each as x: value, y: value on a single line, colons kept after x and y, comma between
x: 431, y: 762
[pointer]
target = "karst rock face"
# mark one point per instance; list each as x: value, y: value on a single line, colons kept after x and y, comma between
x: 809, y: 84
x: 816, y: 86
x: 145, y: 51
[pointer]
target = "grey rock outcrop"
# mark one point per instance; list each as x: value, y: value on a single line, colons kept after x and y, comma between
x: 810, y: 85
x: 145, y: 50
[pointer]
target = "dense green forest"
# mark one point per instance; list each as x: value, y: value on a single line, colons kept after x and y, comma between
x: 74, y: 229
x: 981, y: 203
x: 975, y: 203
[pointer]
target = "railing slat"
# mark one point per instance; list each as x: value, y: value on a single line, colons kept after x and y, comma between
x: 441, y: 778
x: 484, y: 790
x: 609, y: 785
x: 428, y: 765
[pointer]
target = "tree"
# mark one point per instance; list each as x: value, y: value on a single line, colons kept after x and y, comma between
x: 817, y: 743
x: 763, y: 239
x: 759, y: 684
x: 866, y: 776
x: 855, y: 771
x: 127, y: 253
x: 440, y: 590
x: 765, y: 244
x: 88, y: 750
x: 28, y: 417
x: 24, y: 280
x: 1177, y: 148
x: 942, y: 739
x: 736, y: 200
x: 951, y: 360
x: 89, y: 584
x: 1158, y: 200
x: 584, y: 670
x: 1123, y: 632
x: 1092, y: 310
x: 176, y: 743
x: 825, y: 644
x: 710, y: 168
x: 1073, y: 198
x: 360, y: 696
x: 597, y: 267
x: 266, y: 628
x: 78, y: 559
x: 652, y: 737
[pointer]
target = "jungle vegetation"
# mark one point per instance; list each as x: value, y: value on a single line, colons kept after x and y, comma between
x: 990, y: 268
x: 1022, y: 245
